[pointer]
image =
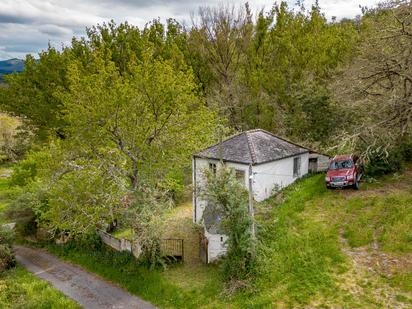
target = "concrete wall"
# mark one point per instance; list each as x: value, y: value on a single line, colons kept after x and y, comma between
x: 216, y: 246
x: 276, y: 175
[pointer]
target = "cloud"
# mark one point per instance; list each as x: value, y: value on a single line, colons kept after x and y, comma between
x: 28, y: 26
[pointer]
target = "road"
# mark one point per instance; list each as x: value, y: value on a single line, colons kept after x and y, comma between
x: 87, y: 289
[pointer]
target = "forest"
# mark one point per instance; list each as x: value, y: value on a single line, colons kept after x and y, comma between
x: 104, y: 129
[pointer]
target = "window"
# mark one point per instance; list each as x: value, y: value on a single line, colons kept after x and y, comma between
x: 337, y: 165
x: 212, y: 167
x: 240, y: 175
x: 296, y: 167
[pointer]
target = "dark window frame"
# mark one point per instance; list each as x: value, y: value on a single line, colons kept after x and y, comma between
x: 213, y: 167
x: 297, y: 162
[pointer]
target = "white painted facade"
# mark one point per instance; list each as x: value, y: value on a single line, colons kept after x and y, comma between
x: 275, y: 175
x: 266, y: 177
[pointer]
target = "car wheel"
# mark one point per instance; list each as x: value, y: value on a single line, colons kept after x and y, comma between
x: 356, y: 185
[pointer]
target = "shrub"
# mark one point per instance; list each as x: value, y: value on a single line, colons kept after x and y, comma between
x: 227, y: 196
x: 385, y: 162
x: 6, y: 236
x: 7, y: 259
x: 21, y: 211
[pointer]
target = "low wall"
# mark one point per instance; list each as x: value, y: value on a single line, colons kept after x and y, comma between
x: 170, y: 246
x: 120, y: 244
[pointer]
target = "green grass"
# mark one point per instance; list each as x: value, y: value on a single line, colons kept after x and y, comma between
x: 177, y: 287
x: 21, y: 289
x: 384, y: 219
x: 124, y: 233
x: 299, y: 255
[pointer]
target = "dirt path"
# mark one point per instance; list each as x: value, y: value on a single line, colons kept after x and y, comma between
x: 87, y: 289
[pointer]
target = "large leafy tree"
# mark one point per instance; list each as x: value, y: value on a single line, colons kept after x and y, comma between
x: 377, y: 84
x: 153, y: 116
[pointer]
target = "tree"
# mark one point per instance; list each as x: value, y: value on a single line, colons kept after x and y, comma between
x: 152, y: 117
x: 31, y: 94
x: 377, y: 84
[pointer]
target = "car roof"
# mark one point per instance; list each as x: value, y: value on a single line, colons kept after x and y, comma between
x: 342, y: 157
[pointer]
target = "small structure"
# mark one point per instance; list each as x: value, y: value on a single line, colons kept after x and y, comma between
x: 318, y: 162
x: 263, y: 162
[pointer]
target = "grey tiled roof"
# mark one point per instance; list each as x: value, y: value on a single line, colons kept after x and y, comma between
x: 252, y: 147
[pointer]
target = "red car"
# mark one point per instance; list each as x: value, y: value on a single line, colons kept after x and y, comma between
x: 344, y: 171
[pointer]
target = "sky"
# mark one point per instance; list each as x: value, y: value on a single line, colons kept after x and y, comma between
x: 28, y: 26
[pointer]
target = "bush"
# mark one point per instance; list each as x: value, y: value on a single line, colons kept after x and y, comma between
x: 21, y: 211
x: 227, y: 196
x: 381, y: 163
x: 6, y: 236
x: 7, y: 259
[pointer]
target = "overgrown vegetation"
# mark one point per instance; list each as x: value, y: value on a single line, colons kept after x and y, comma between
x: 228, y: 199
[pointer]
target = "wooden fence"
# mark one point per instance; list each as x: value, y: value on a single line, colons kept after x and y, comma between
x: 170, y: 247
x: 173, y: 247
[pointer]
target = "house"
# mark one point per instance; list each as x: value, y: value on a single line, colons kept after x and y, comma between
x: 262, y: 161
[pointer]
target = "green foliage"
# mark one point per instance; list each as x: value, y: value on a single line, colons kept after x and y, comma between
x: 7, y: 259
x: 11, y: 146
x: 146, y: 216
x: 228, y: 197
x: 383, y: 161
x: 31, y: 94
x: 26, y: 170
x: 81, y: 201
x: 20, y: 289
x: 375, y: 86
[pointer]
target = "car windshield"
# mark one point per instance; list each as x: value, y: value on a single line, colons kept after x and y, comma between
x: 337, y: 165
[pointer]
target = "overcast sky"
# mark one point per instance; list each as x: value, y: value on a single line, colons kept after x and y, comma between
x: 27, y: 26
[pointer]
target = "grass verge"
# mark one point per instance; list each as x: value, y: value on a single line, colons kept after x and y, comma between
x: 21, y: 289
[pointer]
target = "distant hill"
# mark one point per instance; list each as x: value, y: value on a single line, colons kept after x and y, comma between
x: 10, y: 66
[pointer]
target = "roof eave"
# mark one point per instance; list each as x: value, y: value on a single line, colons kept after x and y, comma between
x: 286, y: 157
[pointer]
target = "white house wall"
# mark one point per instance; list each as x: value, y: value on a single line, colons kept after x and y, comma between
x: 201, y: 166
x: 276, y: 174
x: 216, y: 246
